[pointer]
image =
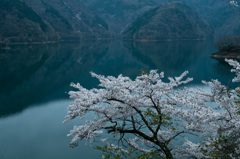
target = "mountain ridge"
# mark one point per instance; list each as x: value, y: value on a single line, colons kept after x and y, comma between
x: 209, y: 10
x: 15, y: 17
x: 31, y: 21
x: 169, y: 21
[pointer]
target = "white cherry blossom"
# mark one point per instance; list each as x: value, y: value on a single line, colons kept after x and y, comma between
x: 151, y: 115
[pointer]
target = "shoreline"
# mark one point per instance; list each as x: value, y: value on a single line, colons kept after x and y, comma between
x: 50, y: 42
x: 132, y: 40
x: 233, y: 53
x: 156, y: 40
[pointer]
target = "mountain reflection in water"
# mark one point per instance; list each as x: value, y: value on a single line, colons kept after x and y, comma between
x: 30, y: 74
x: 34, y: 80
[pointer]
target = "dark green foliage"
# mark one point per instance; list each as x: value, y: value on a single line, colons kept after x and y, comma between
x: 118, y: 13
x: 23, y: 11
x: 98, y: 20
x: 21, y: 24
x: 71, y: 19
x: 228, y: 43
x: 221, y: 16
x: 41, y: 21
x: 144, y: 19
x: 55, y: 14
x: 110, y: 152
x: 225, y: 145
x: 169, y: 21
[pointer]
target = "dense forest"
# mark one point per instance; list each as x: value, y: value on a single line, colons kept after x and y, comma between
x: 59, y: 20
x: 119, y: 14
x: 169, y: 21
x: 49, y: 21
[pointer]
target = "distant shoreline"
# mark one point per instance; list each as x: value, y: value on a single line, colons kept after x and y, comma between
x: 233, y: 53
x: 60, y: 41
x: 49, y: 42
x: 164, y: 40
x: 29, y: 43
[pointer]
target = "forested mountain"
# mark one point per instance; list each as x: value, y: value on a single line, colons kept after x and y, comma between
x: 119, y: 13
x: 19, y: 23
x: 42, y: 20
x: 169, y: 21
x: 67, y: 20
x: 70, y: 19
x: 223, y: 17
x: 225, y: 21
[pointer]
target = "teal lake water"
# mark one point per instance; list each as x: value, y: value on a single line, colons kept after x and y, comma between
x: 35, y: 79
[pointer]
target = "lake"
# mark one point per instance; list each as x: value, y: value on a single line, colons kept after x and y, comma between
x: 35, y: 79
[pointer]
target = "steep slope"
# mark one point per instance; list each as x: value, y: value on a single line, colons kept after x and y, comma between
x: 43, y: 21
x: 223, y: 17
x: 225, y: 21
x: 121, y: 13
x: 70, y: 19
x: 169, y: 21
x: 118, y: 13
x: 19, y: 23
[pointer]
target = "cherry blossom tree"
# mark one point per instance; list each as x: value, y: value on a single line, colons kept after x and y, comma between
x: 235, y: 3
x: 158, y: 117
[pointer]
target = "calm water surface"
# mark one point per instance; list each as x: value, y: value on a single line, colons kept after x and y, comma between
x: 34, y: 80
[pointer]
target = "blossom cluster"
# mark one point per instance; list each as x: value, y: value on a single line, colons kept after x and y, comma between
x: 235, y: 3
x: 159, y: 115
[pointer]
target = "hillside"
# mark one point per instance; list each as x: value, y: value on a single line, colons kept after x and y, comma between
x: 225, y: 21
x: 223, y: 17
x: 19, y: 23
x: 119, y: 13
x: 171, y: 20
x: 70, y: 19
x: 42, y: 20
